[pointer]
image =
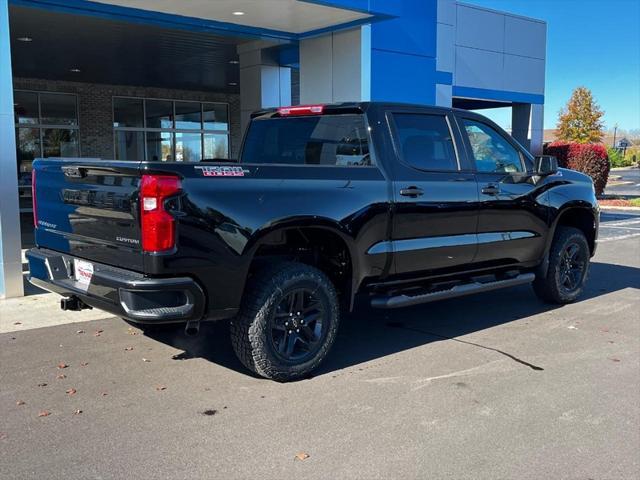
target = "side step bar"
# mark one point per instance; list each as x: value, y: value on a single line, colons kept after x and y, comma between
x: 398, y: 301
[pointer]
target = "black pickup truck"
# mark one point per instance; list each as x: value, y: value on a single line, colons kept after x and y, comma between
x: 399, y: 204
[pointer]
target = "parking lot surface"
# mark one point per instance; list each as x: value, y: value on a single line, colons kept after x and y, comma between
x: 498, y: 385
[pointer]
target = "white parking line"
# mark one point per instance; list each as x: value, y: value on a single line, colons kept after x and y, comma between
x: 619, y: 237
x: 620, y: 222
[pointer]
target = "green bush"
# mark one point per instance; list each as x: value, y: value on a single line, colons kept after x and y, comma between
x: 617, y: 160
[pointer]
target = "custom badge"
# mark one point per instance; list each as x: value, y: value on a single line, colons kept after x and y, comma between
x: 226, y: 171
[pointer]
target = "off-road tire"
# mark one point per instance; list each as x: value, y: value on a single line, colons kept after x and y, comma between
x: 250, y: 330
x: 549, y: 288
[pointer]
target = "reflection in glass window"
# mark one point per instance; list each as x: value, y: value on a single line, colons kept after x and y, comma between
x: 57, y: 142
x: 188, y: 115
x: 28, y: 148
x: 58, y: 109
x: 128, y: 112
x: 216, y: 146
x: 25, y: 107
x: 491, y: 151
x: 159, y: 113
x: 159, y: 147
x: 215, y: 116
x: 130, y: 145
x: 188, y: 147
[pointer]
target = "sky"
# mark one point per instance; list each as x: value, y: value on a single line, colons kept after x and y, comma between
x: 591, y: 43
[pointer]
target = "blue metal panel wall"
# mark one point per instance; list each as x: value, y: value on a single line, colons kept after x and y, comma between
x: 403, y: 56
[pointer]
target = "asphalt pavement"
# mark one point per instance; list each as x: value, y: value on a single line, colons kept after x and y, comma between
x: 494, y: 386
x: 624, y: 182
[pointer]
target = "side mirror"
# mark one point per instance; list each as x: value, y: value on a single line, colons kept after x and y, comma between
x: 545, y: 165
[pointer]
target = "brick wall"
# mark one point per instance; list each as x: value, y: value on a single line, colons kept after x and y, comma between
x: 96, y: 115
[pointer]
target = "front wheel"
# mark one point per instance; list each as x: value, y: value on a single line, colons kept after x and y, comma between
x: 568, y: 268
x: 287, y: 323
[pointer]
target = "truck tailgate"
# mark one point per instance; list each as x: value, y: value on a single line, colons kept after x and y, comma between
x: 89, y: 209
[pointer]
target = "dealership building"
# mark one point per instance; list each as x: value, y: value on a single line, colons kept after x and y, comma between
x: 163, y: 80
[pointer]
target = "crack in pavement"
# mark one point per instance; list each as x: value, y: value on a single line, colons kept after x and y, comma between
x: 444, y: 337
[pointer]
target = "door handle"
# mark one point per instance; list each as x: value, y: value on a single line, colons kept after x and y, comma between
x: 411, y: 192
x: 491, y: 189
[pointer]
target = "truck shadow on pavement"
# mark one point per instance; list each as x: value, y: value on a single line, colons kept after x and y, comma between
x: 369, y: 334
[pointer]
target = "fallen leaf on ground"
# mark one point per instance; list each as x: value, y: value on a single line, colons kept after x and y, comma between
x: 161, y: 387
x: 44, y: 413
x: 62, y: 365
x: 614, y: 359
x: 104, y: 394
x: 84, y: 364
x: 128, y: 349
x: 72, y: 391
x: 61, y: 376
x: 77, y: 412
x: 42, y: 384
x: 302, y: 456
x: 210, y: 412
x: 131, y: 331
x: 79, y: 331
x: 98, y: 332
x: 20, y: 402
x: 146, y: 360
x: 17, y: 323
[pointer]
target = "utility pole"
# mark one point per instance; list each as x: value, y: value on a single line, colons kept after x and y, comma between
x: 615, y: 130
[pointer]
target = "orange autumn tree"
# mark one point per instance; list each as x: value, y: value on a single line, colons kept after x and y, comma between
x: 581, y: 119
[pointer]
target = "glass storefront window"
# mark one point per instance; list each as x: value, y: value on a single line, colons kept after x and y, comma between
x: 173, y: 130
x: 58, y: 109
x: 160, y: 146
x: 46, y: 126
x: 215, y: 146
x: 57, y: 142
x: 215, y: 116
x: 159, y: 113
x: 188, y: 147
x: 25, y: 107
x: 188, y: 115
x: 128, y: 112
x: 130, y: 145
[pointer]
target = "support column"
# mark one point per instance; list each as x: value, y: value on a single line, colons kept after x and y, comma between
x: 536, y: 130
x: 263, y: 82
x: 520, y: 115
x: 336, y: 67
x: 10, y: 253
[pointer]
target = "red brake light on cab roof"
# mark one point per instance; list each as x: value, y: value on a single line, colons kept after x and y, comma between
x: 301, y: 110
x: 158, y: 226
x: 34, y: 202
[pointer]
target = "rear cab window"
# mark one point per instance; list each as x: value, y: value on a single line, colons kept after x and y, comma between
x: 329, y: 140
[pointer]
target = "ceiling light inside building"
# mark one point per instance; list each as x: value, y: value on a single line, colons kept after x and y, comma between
x: 234, y: 62
x: 238, y: 13
x: 25, y: 39
x: 233, y: 84
x: 74, y: 70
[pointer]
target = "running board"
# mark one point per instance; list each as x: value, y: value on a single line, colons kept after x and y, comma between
x: 398, y: 301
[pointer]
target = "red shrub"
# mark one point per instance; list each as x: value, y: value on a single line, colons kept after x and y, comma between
x: 589, y: 158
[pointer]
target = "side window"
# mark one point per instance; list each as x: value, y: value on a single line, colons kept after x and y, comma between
x: 491, y: 151
x: 425, y: 141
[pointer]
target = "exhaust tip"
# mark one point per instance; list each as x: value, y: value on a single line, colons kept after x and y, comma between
x: 192, y: 328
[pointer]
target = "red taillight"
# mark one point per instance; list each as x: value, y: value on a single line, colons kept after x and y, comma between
x: 301, y: 110
x: 158, y: 226
x: 34, y: 202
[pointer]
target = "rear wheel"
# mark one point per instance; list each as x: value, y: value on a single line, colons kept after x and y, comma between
x: 287, y: 323
x: 568, y: 267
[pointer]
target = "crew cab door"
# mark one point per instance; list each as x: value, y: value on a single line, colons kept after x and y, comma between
x: 434, y: 193
x: 512, y: 225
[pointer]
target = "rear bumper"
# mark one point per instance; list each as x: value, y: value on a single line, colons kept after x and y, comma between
x: 124, y: 293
